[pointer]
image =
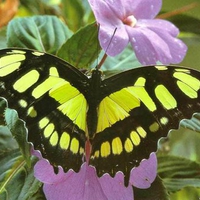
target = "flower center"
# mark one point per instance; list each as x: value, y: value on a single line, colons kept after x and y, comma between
x: 130, y: 21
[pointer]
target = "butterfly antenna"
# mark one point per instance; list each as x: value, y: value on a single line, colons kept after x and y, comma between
x: 105, y: 54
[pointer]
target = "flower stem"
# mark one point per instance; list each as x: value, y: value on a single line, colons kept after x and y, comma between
x: 178, y: 11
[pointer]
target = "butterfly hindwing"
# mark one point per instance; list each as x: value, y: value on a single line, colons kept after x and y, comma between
x: 139, y: 107
x: 43, y: 89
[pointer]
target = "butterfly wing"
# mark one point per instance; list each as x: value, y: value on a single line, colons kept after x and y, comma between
x: 45, y: 91
x: 138, y: 107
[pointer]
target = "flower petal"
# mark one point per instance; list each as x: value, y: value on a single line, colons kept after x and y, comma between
x: 144, y: 50
x: 177, y: 48
x: 114, y: 188
x: 103, y: 13
x: 84, y: 185
x: 142, y: 9
x: 44, y: 172
x: 111, y: 41
x: 155, y: 46
x: 36, y: 153
x: 159, y: 25
x: 117, y: 7
x: 145, y: 174
x: 152, y: 40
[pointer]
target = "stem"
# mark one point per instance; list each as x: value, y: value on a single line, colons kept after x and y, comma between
x: 178, y: 11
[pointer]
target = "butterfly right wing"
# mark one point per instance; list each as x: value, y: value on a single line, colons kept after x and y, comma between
x: 137, y: 108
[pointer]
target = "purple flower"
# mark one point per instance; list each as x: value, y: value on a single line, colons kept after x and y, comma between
x: 86, y: 185
x: 152, y: 39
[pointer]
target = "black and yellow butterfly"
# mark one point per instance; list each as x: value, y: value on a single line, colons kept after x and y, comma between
x: 121, y: 118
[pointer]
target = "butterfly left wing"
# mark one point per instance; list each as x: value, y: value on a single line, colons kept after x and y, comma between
x: 137, y: 108
x: 48, y: 94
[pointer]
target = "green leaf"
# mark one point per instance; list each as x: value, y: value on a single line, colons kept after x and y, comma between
x: 43, y: 33
x: 88, y: 14
x: 157, y: 191
x: 190, y: 25
x: 73, y: 13
x: 39, y: 7
x: 16, y: 182
x: 18, y: 130
x: 190, y: 29
x: 124, y: 61
x: 82, y: 48
x: 6, y: 140
x: 31, y: 188
x: 3, y: 106
x: 16, y: 177
x: 178, y: 173
x: 183, y: 143
x: 192, y: 124
x: 186, y: 194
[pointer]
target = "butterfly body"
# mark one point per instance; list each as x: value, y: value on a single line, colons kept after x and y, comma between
x: 122, y: 116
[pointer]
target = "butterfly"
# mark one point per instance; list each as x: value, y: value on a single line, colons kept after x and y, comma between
x: 113, y: 123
